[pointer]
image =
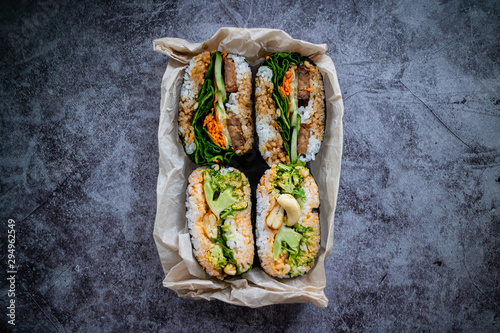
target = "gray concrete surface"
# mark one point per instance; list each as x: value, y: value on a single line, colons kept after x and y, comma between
x: 417, y: 224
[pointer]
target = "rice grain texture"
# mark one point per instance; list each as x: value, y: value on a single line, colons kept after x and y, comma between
x: 239, y: 228
x: 265, y: 236
x: 270, y: 141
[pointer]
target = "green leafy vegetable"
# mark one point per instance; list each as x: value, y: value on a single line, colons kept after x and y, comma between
x: 224, y: 200
x: 289, y: 120
x: 286, y: 183
x: 299, y: 194
x: 225, y: 196
x: 303, y: 230
x: 292, y: 240
x: 302, y: 257
x: 217, y: 256
x: 207, y: 152
x: 288, y: 238
x: 228, y: 254
x: 222, y: 186
x: 288, y: 180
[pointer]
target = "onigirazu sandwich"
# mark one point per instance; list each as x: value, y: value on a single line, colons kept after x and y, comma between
x: 215, y: 109
x: 219, y: 220
x: 290, y: 109
x: 287, y: 224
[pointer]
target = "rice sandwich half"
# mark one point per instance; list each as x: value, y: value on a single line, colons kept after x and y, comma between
x: 215, y: 109
x: 287, y: 225
x: 290, y: 109
x: 219, y: 220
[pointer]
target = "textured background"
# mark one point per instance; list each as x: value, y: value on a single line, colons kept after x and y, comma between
x: 417, y: 224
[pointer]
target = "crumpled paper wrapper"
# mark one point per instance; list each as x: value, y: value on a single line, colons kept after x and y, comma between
x: 183, y: 274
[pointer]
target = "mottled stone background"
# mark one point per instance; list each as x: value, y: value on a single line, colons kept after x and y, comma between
x: 417, y: 224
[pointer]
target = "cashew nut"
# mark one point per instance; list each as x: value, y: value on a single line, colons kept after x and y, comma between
x: 292, y: 207
x: 210, y: 224
x: 230, y: 269
x: 275, y: 218
x: 304, y: 172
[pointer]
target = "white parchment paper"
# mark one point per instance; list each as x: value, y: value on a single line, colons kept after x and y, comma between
x: 183, y: 274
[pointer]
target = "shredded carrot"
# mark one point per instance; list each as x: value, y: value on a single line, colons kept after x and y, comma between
x: 214, y: 129
x: 286, y: 88
x: 191, y: 137
x: 295, y: 68
x: 267, y: 57
x: 224, y: 54
x: 309, y: 89
x: 212, y: 52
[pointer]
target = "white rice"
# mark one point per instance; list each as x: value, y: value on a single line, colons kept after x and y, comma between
x: 267, y: 129
x: 190, y: 148
x: 190, y: 89
x: 270, y: 142
x: 313, y: 146
x: 239, y: 104
x: 241, y: 66
x: 239, y: 233
x: 305, y: 112
x: 265, y: 235
x: 187, y: 90
x: 265, y: 73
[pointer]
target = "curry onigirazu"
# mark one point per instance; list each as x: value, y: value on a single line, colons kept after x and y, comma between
x: 287, y: 223
x: 219, y: 220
